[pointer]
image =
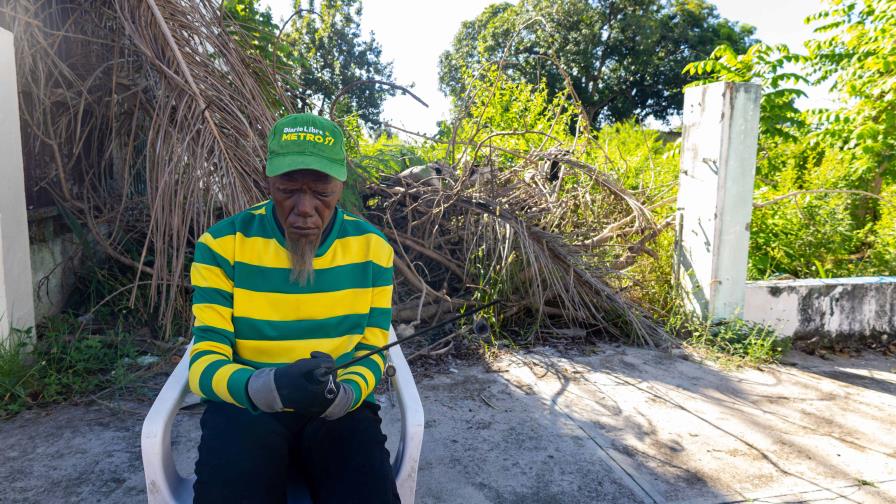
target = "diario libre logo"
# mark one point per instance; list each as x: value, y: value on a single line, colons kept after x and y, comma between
x: 308, y: 134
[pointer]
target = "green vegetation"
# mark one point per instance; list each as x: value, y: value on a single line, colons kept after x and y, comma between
x: 62, y: 364
x: 826, y: 179
x: 732, y: 342
x: 72, y: 358
x: 615, y: 75
x: 321, y: 50
x: 832, y: 169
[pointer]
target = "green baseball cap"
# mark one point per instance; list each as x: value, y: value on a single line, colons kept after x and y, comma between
x: 306, y: 142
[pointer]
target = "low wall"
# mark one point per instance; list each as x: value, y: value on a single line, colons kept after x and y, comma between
x: 855, y: 309
x: 55, y: 258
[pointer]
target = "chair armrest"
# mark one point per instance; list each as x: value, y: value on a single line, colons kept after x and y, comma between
x: 407, y: 458
x: 163, y: 483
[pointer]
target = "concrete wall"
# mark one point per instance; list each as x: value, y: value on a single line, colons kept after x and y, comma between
x: 56, y: 255
x: 16, y: 302
x: 718, y: 159
x: 851, y: 309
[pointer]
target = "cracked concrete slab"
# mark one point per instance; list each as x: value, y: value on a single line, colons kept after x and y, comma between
x: 686, y: 432
x: 621, y: 425
x: 487, y: 441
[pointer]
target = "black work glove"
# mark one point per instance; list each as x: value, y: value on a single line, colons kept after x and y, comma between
x: 301, y: 386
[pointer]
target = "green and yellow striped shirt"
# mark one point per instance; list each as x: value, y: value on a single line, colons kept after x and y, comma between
x: 249, y: 314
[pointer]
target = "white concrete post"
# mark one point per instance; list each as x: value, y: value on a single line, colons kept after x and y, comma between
x: 715, y: 196
x: 16, y: 294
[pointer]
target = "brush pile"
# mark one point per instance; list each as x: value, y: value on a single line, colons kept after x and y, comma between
x: 151, y: 121
x: 477, y: 238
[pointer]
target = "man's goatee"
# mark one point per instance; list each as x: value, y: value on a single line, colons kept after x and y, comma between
x: 301, y: 257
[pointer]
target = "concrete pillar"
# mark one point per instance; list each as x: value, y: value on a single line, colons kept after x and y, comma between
x: 16, y: 295
x: 715, y: 196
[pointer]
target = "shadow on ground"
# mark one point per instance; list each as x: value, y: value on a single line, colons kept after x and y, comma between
x: 679, y: 431
x: 621, y: 425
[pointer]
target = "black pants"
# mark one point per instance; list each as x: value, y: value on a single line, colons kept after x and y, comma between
x: 245, y: 457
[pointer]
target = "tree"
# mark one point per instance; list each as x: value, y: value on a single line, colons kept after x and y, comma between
x: 766, y: 65
x: 623, y: 57
x: 324, y: 50
x: 856, y: 54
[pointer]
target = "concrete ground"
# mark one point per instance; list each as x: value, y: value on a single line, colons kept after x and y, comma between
x: 621, y: 425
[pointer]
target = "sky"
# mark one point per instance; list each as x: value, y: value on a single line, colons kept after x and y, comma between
x: 413, y: 33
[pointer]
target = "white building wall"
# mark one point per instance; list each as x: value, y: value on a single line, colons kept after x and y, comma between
x: 16, y: 296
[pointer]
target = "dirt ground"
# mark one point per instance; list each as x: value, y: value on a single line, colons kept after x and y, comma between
x: 618, y: 425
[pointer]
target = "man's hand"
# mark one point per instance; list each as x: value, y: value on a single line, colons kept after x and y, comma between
x: 300, y: 386
x: 342, y: 404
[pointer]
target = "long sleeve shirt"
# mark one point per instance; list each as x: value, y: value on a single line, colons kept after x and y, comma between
x: 249, y: 313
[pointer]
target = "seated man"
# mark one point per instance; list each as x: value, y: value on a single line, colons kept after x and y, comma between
x: 283, y: 292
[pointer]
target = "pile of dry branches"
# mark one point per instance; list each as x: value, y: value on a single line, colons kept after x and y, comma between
x: 470, y: 239
x: 151, y: 123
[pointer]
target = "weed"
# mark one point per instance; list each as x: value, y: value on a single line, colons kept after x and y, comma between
x: 737, y: 342
x: 731, y: 343
x: 16, y: 374
x: 62, y: 364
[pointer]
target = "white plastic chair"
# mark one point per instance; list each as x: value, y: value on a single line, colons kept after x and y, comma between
x: 165, y: 485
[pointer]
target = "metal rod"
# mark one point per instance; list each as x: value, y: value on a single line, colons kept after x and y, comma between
x: 412, y: 336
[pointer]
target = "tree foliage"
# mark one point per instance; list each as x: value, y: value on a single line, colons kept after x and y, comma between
x: 324, y: 49
x: 768, y: 65
x: 856, y: 54
x: 623, y: 57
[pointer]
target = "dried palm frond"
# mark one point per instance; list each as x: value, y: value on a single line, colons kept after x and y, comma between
x: 154, y: 120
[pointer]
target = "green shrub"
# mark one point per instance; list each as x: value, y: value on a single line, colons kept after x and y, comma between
x: 818, y: 234
x: 881, y: 258
x: 16, y: 374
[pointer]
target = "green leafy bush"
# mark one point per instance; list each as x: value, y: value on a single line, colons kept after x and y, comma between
x: 882, y: 252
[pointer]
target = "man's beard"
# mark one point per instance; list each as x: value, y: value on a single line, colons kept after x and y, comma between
x: 301, y: 257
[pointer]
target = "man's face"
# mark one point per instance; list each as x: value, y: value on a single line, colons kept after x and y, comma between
x: 305, y: 201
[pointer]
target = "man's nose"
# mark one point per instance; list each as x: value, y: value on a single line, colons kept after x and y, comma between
x: 304, y: 207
